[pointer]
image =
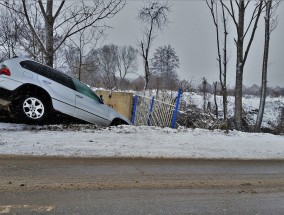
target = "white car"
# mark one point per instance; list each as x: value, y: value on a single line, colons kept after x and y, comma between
x: 33, y: 92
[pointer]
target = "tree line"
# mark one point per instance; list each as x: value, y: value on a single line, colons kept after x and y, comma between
x: 109, y: 66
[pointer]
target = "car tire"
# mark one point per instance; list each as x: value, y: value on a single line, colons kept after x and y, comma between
x: 32, y: 109
x: 117, y: 122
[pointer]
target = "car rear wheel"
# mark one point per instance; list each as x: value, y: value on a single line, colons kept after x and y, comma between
x: 32, y: 109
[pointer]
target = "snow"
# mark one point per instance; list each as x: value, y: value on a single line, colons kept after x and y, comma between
x: 136, y: 142
x: 271, y: 114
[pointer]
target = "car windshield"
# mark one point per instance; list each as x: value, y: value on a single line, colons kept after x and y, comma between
x: 82, y: 88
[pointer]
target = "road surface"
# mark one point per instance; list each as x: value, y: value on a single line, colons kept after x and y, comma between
x: 42, y: 185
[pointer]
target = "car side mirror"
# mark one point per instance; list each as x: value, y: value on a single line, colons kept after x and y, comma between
x: 101, y: 99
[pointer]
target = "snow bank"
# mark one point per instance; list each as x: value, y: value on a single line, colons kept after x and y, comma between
x: 130, y: 141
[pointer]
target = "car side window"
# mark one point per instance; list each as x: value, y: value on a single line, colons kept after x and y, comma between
x: 48, y: 72
x: 82, y: 88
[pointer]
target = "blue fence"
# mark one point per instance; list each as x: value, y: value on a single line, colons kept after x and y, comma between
x: 157, y: 110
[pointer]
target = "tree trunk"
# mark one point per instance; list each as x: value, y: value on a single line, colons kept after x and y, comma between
x: 215, y: 99
x: 49, y: 22
x: 147, y: 74
x: 224, y: 82
x: 264, y: 67
x: 204, y: 86
x: 80, y: 64
x: 239, y: 68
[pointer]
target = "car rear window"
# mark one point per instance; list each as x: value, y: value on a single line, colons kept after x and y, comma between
x: 48, y: 72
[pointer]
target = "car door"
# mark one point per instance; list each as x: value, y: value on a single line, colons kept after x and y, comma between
x: 89, y: 106
x: 63, y: 97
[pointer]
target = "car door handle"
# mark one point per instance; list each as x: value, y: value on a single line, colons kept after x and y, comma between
x: 79, y: 96
x: 45, y: 81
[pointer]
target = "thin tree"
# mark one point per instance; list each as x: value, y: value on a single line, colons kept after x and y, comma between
x: 271, y: 21
x: 155, y: 17
x: 237, y: 11
x: 222, y: 62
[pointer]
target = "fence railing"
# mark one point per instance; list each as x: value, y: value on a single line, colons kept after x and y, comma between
x: 159, y: 109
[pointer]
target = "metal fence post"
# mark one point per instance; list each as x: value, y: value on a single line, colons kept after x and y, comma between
x: 134, y: 109
x: 176, y: 108
x: 151, y: 109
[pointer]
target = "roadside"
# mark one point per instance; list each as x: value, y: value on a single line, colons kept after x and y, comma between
x: 137, y: 142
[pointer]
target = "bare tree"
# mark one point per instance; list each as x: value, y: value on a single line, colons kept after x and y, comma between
x: 155, y: 17
x: 188, y: 86
x: 62, y: 19
x: 9, y: 34
x: 126, y: 62
x: 79, y: 49
x: 107, y: 58
x: 271, y: 21
x: 138, y: 83
x: 222, y: 61
x: 91, y: 69
x: 237, y: 11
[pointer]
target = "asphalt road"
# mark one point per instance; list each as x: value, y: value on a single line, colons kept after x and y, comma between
x: 30, y: 185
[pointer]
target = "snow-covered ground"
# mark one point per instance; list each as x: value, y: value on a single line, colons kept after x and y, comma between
x: 131, y: 141
x: 250, y: 105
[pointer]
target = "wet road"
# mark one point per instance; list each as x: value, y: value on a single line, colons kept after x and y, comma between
x: 138, y: 186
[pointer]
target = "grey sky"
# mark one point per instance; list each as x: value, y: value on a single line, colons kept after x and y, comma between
x: 191, y: 33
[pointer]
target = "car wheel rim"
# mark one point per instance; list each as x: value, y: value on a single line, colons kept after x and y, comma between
x: 33, y: 108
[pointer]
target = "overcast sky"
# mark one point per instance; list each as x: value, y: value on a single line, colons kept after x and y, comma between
x: 192, y: 34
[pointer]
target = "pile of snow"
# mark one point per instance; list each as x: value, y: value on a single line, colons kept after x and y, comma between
x: 133, y: 142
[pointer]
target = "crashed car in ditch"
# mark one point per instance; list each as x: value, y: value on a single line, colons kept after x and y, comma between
x: 34, y: 92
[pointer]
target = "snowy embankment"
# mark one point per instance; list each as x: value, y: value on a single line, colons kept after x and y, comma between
x: 130, y: 141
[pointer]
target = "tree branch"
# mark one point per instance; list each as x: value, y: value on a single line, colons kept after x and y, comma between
x: 253, y: 31
x: 42, y: 9
x: 32, y: 28
x: 59, y: 9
